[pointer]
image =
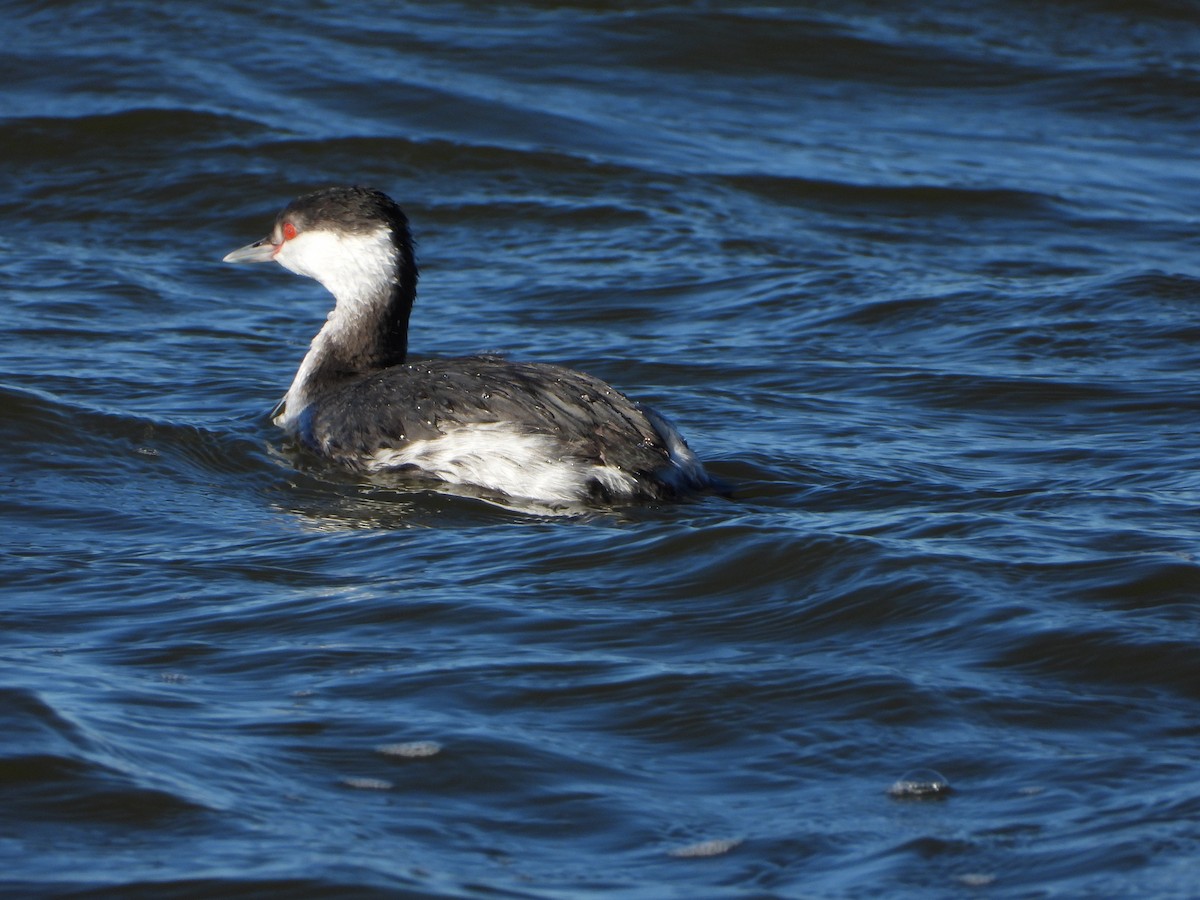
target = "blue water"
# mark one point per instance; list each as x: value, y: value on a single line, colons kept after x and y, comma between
x: 919, y: 281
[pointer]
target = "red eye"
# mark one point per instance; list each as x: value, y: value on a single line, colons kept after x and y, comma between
x: 289, y: 231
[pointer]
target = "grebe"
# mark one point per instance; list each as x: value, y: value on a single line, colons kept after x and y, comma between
x: 527, y: 430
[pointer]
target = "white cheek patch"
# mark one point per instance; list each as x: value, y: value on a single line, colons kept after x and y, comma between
x: 352, y: 267
x: 497, y: 457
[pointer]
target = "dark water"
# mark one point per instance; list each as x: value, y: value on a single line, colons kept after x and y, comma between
x: 922, y: 282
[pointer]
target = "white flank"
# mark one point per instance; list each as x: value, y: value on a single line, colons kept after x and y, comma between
x: 497, y: 457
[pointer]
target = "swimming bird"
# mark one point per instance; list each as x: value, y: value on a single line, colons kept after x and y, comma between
x: 527, y: 430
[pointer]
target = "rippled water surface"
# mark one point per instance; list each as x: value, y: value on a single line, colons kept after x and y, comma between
x: 919, y: 280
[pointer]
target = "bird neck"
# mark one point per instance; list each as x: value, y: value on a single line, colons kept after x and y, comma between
x: 367, y: 330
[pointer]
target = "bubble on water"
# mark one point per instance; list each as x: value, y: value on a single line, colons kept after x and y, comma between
x: 920, y: 784
x: 976, y: 879
x: 411, y: 749
x: 705, y: 848
x: 367, y: 784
